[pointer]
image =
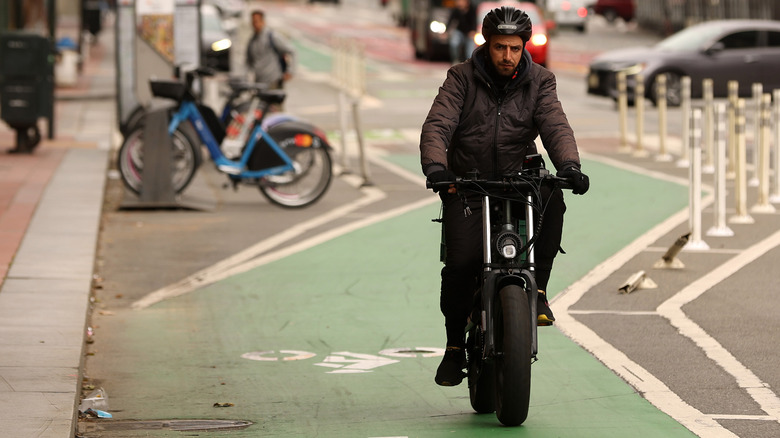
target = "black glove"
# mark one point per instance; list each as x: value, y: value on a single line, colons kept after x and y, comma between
x: 441, y: 176
x: 580, y: 182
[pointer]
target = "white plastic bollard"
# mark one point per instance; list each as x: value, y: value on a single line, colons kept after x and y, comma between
x: 720, y: 229
x: 695, y: 243
x: 623, y: 112
x: 709, y: 126
x: 762, y: 172
x: 758, y: 91
x: 731, y: 156
x: 740, y: 162
x: 639, y: 104
x: 775, y: 196
x: 660, y: 96
x: 685, y: 104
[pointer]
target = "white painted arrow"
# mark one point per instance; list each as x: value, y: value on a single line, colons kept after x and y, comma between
x: 359, y: 363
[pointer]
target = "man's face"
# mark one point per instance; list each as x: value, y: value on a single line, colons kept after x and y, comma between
x: 258, y: 22
x: 505, y: 52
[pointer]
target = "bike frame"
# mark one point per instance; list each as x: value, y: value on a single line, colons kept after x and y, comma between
x: 496, y: 275
x: 189, y: 111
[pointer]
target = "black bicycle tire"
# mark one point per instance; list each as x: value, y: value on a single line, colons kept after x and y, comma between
x: 272, y: 190
x: 130, y: 171
x: 480, y: 375
x: 513, y: 364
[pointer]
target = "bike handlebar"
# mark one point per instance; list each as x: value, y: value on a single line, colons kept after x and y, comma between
x: 522, y: 182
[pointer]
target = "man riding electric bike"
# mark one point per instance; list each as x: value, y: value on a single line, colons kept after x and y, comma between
x: 486, y: 116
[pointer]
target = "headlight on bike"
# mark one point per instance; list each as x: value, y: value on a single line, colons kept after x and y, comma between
x: 507, y: 244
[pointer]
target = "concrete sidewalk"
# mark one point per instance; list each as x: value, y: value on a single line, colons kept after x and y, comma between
x: 50, y: 209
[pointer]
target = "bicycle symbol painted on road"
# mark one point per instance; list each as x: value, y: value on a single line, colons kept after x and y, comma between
x: 345, y: 362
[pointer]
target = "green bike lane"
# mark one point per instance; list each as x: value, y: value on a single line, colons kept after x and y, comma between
x: 332, y: 341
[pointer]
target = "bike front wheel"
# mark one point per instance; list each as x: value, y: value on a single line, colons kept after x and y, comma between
x: 513, y: 363
x: 185, y: 159
x: 306, y: 183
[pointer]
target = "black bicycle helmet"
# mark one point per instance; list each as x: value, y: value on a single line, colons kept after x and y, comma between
x: 507, y: 20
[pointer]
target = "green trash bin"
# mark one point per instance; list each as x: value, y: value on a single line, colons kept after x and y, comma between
x: 26, y: 85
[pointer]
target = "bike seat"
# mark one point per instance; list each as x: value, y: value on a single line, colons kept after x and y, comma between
x: 273, y: 96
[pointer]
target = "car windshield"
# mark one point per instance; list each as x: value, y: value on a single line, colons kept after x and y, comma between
x: 692, y: 38
x: 209, y: 20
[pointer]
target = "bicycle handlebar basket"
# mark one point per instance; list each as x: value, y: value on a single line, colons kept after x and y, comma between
x: 168, y: 88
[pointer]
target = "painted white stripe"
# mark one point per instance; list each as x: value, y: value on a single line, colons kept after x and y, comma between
x: 613, y: 312
x: 653, y: 389
x: 672, y: 310
x: 247, y: 259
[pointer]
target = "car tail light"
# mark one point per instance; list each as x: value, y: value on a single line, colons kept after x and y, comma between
x: 582, y: 12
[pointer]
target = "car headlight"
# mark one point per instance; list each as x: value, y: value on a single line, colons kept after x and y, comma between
x: 539, y: 39
x: 479, y: 39
x: 634, y: 69
x: 438, y: 27
x: 221, y: 45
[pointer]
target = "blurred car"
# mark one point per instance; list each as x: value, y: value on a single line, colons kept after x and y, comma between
x: 569, y: 13
x: 428, y: 25
x: 747, y: 51
x: 538, y: 45
x: 612, y: 9
x: 215, y: 41
x: 228, y: 8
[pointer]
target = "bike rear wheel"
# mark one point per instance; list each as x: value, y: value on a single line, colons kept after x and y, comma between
x: 513, y: 363
x: 185, y: 159
x: 305, y: 184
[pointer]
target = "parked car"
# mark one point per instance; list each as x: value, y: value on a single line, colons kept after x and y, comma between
x: 747, y: 51
x: 215, y: 41
x: 612, y: 9
x: 538, y: 45
x: 568, y: 13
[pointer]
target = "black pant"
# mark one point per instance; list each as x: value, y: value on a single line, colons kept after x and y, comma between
x: 462, y: 270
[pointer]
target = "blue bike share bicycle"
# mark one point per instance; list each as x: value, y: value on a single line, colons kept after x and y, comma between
x: 286, y: 158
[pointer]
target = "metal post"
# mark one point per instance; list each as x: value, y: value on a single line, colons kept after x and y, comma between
x: 740, y: 182
x: 762, y: 172
x: 623, y: 112
x: 758, y: 91
x: 660, y: 93
x: 685, y: 84
x: 720, y: 229
x: 639, y: 103
x: 709, y: 127
x: 775, y: 196
x: 696, y: 243
x: 731, y: 157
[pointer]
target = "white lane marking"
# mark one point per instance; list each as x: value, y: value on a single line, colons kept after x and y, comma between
x: 216, y: 272
x: 246, y: 259
x: 672, y: 310
x: 355, y: 362
x: 653, y: 389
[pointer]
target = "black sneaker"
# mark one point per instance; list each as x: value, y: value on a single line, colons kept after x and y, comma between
x: 544, y: 316
x: 450, y: 372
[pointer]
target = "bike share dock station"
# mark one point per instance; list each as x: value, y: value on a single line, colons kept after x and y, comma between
x: 153, y: 36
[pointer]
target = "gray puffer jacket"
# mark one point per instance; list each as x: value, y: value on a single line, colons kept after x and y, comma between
x: 474, y: 124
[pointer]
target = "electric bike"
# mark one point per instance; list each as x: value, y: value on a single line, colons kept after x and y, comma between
x: 502, y: 341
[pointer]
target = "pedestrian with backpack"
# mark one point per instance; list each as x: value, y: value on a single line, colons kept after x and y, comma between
x: 269, y: 55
